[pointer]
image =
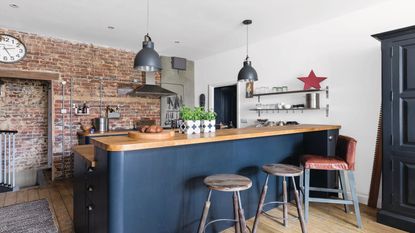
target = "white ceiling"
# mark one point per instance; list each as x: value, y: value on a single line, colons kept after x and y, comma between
x: 204, y: 27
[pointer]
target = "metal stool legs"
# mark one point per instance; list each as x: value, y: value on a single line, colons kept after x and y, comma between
x: 260, y: 204
x: 205, y: 214
x: 236, y: 212
x: 240, y: 222
x: 346, y: 201
x: 344, y: 188
x: 355, y: 200
x: 306, y: 193
x: 298, y: 204
x: 284, y: 202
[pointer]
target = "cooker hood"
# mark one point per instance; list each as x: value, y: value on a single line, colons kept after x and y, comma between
x: 149, y: 88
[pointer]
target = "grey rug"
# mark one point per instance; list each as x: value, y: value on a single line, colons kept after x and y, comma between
x: 30, y: 217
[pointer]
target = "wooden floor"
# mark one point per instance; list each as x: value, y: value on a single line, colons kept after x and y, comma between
x: 323, y: 218
x: 59, y: 195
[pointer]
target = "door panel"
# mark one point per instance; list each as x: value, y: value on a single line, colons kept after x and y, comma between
x: 402, y: 152
x: 408, y: 54
x: 404, y: 198
x: 408, y: 121
x: 409, y: 184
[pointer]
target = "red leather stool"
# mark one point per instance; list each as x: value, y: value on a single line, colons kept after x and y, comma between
x: 344, y: 163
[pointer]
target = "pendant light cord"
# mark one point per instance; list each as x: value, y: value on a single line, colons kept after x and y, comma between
x: 148, y: 15
x: 247, y: 42
x: 147, y: 36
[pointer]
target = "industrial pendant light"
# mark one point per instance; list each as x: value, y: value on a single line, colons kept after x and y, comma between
x: 147, y: 59
x: 247, y: 73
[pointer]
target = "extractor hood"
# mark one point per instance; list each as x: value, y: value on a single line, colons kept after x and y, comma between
x: 148, y: 88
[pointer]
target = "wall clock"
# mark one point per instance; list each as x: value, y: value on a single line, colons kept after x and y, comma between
x: 11, y: 49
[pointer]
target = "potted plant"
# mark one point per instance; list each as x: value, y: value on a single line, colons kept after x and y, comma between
x: 191, y: 120
x: 208, y: 121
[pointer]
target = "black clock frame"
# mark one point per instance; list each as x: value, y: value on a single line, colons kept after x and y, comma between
x: 21, y: 42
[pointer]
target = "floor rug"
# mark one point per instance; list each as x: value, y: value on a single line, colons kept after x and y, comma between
x: 28, y: 217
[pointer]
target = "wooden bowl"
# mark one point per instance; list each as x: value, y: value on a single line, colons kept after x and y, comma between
x: 86, y: 128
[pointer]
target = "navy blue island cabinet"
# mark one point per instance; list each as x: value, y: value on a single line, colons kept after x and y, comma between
x: 149, y: 186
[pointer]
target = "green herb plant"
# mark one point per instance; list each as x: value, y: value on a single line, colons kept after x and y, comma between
x: 187, y: 114
x: 209, y: 115
x: 195, y: 114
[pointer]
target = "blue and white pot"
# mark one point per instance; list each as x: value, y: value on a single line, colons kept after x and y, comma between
x: 190, y: 127
x: 208, y: 126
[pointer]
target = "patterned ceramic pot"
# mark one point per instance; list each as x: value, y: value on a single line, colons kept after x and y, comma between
x: 208, y: 126
x: 190, y: 127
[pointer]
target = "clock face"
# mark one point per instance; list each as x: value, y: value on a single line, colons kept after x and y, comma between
x: 11, y: 49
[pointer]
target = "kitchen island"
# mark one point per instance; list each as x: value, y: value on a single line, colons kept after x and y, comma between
x: 157, y: 186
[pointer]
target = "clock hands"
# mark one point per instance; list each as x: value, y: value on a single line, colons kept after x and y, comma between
x: 7, y: 51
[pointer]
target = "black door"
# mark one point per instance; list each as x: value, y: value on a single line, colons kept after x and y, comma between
x: 401, y: 151
x: 225, y: 105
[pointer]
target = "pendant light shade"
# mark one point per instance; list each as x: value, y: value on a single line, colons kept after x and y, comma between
x: 147, y: 59
x: 247, y: 73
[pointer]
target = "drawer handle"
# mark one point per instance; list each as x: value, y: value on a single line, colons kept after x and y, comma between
x: 330, y: 138
x: 90, y: 208
x: 90, y: 188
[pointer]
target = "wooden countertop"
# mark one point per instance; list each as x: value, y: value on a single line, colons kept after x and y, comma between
x: 124, y: 143
x: 87, y: 152
x: 107, y: 133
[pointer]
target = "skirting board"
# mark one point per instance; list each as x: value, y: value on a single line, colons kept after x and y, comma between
x: 364, y: 198
x: 397, y: 221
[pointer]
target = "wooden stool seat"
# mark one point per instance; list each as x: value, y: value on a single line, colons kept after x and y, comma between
x: 282, y: 169
x: 343, y: 163
x: 228, y: 182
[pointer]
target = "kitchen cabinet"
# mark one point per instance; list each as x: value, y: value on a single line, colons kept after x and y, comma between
x: 398, y: 101
x: 85, y: 138
x: 89, y: 198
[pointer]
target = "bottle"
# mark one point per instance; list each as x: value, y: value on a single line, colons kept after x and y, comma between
x: 79, y: 109
x: 230, y: 125
x: 84, y: 108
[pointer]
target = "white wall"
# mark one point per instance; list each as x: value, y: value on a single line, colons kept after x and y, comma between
x: 341, y: 49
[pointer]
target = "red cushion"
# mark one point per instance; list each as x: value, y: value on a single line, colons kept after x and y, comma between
x: 324, y: 163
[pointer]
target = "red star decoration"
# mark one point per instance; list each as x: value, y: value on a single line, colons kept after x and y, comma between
x: 312, y: 81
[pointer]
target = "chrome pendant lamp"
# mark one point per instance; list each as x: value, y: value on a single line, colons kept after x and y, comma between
x: 147, y: 59
x: 247, y: 73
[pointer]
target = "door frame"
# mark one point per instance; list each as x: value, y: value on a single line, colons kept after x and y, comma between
x: 211, y: 97
x: 50, y: 77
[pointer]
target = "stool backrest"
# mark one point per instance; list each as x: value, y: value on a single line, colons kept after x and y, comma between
x: 346, y: 149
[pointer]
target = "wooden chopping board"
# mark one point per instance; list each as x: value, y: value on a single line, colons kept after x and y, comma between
x: 166, y: 134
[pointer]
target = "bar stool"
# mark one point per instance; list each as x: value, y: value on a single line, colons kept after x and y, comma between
x: 283, y: 170
x: 226, y: 183
x: 344, y: 163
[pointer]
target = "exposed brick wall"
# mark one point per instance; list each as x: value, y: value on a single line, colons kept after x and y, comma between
x: 84, y: 65
x: 24, y: 107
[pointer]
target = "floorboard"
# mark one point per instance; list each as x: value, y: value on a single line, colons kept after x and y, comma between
x: 324, y: 218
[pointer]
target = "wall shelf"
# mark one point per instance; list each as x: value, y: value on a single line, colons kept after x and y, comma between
x: 292, y: 92
x: 81, y: 114
x: 275, y: 110
x: 293, y: 110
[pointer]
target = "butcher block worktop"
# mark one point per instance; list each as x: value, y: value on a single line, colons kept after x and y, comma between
x: 107, y: 133
x: 87, y: 152
x: 124, y: 143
